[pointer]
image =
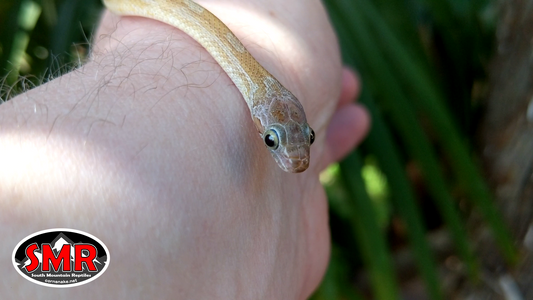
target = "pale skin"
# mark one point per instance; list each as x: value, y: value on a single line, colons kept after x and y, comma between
x: 150, y: 148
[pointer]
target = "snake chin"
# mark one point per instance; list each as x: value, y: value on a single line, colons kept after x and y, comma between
x: 295, y: 160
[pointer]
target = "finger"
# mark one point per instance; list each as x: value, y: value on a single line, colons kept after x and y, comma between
x: 348, y: 127
x: 350, y: 87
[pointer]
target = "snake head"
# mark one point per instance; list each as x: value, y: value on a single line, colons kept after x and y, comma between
x: 282, y: 124
x: 290, y: 145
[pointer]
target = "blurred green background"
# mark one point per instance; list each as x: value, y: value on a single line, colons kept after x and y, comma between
x: 422, y: 63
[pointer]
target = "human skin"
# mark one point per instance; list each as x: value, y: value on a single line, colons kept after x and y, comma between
x: 151, y: 148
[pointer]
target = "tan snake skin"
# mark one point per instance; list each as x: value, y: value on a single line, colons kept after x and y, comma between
x: 278, y: 115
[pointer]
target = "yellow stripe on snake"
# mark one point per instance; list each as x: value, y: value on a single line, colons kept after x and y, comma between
x: 277, y: 114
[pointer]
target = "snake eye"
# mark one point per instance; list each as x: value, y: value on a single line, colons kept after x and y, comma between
x: 271, y: 139
x: 312, y: 137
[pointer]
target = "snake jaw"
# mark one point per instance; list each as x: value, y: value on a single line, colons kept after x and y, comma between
x: 294, y: 150
x: 286, y: 134
x: 289, y: 145
x: 294, y: 159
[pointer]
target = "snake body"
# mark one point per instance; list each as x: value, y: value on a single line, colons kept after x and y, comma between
x: 277, y: 114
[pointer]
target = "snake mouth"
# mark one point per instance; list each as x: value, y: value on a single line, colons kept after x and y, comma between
x: 297, y: 159
x: 300, y: 166
x: 295, y: 164
x: 292, y: 164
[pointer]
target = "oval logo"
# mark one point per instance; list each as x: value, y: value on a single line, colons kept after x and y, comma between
x: 60, y: 257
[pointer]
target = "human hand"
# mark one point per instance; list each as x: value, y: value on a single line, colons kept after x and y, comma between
x: 151, y: 148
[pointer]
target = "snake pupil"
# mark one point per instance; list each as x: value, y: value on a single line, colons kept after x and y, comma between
x: 270, y: 141
x: 312, y: 137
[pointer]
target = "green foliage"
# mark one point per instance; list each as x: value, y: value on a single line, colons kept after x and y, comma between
x: 43, y: 38
x: 418, y: 62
